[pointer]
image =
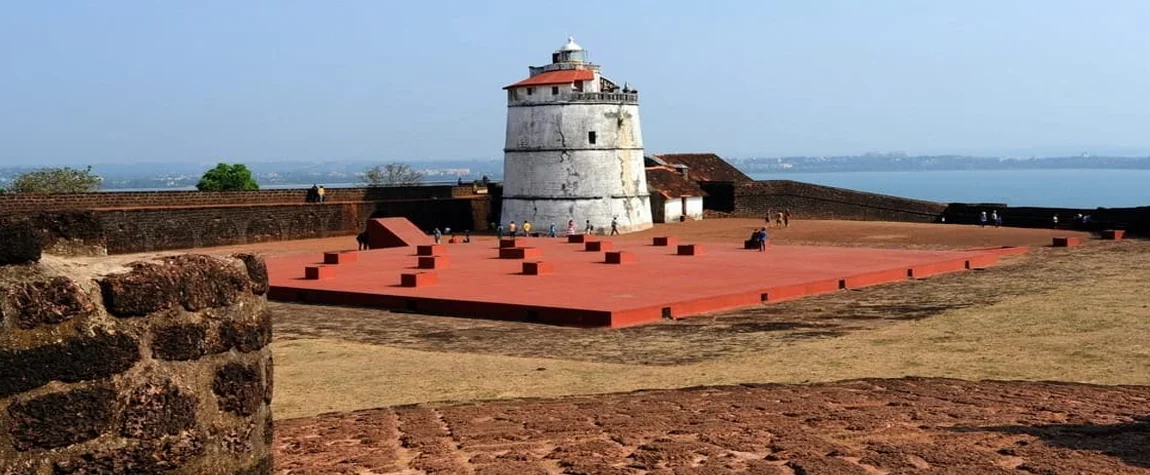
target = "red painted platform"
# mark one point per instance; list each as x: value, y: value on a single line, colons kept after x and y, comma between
x: 586, y: 291
x: 394, y: 232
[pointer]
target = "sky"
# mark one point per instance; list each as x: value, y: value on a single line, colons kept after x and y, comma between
x: 261, y: 80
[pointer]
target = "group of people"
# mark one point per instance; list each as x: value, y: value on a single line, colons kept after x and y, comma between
x: 438, y: 235
x: 759, y: 237
x: 780, y: 219
x: 995, y: 219
x: 514, y: 230
x: 316, y: 194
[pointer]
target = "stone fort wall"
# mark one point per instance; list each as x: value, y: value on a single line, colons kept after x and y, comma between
x: 118, y: 223
x: 157, y: 366
x: 809, y: 201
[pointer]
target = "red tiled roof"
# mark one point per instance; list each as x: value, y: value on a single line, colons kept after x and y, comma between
x: 562, y: 76
x: 669, y: 183
x: 705, y: 167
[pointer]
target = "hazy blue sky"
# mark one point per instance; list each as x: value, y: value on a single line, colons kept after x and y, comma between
x: 255, y: 80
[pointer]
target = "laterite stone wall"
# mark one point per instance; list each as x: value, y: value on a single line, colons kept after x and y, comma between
x: 148, y: 367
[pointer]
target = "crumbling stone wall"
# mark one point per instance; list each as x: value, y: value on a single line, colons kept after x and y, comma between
x: 156, y: 366
x: 810, y: 201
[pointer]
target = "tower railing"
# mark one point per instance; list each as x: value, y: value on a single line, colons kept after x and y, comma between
x: 604, y: 97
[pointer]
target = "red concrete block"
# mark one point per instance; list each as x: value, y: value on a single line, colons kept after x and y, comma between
x: 1113, y: 234
x: 507, y: 243
x: 927, y: 270
x: 579, y: 238
x: 665, y: 241
x: 597, y: 246
x: 520, y: 253
x: 621, y: 257
x: 318, y: 272
x: 982, y: 262
x: 433, y: 262
x: 431, y: 250
x: 876, y: 278
x: 1066, y: 241
x: 340, y: 257
x: 538, y: 268
x: 419, y: 279
x: 691, y: 249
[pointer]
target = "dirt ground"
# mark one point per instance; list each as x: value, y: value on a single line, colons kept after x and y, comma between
x: 864, y: 427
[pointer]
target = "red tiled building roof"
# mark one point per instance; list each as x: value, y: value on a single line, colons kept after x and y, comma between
x: 669, y: 183
x: 705, y: 167
x: 562, y: 76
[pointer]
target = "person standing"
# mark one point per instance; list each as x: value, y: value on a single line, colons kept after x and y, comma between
x: 589, y: 229
x: 570, y: 227
x: 438, y: 235
x: 526, y: 228
x: 512, y: 229
x: 762, y: 238
x: 551, y: 230
x: 499, y: 231
x: 786, y: 218
x: 321, y: 192
x: 982, y: 220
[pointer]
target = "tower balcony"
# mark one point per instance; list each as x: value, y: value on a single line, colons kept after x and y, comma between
x: 624, y: 97
x: 567, y: 97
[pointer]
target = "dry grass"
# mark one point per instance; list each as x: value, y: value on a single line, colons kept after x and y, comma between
x: 1077, y: 315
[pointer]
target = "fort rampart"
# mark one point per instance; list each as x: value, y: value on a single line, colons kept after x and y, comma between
x: 155, y: 366
x: 117, y: 223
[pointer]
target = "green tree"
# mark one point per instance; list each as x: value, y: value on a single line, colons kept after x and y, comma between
x: 392, y: 174
x: 226, y: 177
x: 56, y: 180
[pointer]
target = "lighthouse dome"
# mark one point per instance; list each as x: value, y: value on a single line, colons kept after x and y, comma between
x: 570, y: 46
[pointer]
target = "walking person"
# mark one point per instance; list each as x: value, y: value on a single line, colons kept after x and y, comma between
x: 551, y: 232
x: 995, y: 218
x: 361, y: 238
x: 438, y: 235
x: 982, y: 220
x: 786, y: 218
x: 526, y: 228
x: 614, y: 225
x: 313, y: 194
x: 589, y: 229
x: 499, y: 231
x: 512, y: 229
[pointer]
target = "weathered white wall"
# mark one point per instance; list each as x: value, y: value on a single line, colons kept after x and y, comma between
x: 694, y: 208
x: 672, y: 210
x: 553, y: 173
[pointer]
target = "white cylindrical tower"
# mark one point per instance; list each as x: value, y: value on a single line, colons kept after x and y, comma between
x: 574, y: 148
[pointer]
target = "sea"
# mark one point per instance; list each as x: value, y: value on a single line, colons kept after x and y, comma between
x: 1087, y: 188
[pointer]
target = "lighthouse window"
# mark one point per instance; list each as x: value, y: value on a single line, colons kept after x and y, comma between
x: 591, y: 137
x: 554, y: 90
x: 530, y: 91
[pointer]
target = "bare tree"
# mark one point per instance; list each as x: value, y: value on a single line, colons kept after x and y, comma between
x: 57, y: 180
x: 391, y: 174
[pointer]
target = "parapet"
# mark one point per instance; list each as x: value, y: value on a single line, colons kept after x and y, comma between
x: 148, y: 367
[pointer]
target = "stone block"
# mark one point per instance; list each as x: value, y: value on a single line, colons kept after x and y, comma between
x: 431, y: 250
x: 597, y: 246
x: 520, y: 253
x: 103, y: 354
x: 319, y: 272
x: 419, y: 279
x: 161, y: 455
x: 340, y: 257
x: 257, y: 272
x: 45, y: 302
x: 691, y: 249
x: 1066, y: 242
x: 665, y: 241
x: 246, y: 337
x: 621, y: 257
x: 156, y: 409
x: 1113, y: 234
x: 579, y: 238
x: 21, y: 244
x: 751, y: 244
x: 239, y: 388
x: 433, y: 262
x: 145, y: 289
x: 538, y: 268
x: 181, y: 342
x: 61, y: 419
x: 195, y: 281
x: 205, y: 281
x: 504, y: 243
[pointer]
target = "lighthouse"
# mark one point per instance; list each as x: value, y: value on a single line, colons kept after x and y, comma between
x: 574, y: 148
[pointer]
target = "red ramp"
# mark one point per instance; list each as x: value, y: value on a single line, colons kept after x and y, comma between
x: 395, y: 232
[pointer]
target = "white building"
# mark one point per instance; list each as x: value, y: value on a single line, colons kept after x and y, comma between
x: 674, y: 198
x: 574, y: 148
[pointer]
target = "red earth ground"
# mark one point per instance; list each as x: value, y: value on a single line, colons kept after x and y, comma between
x: 902, y: 426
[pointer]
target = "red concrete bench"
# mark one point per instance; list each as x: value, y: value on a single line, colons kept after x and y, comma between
x: 418, y: 279
x: 340, y: 257
x: 579, y: 238
x: 433, y: 262
x: 597, y: 246
x: 507, y: 243
x: 520, y: 252
x: 318, y: 272
x: 1113, y: 234
x: 431, y: 250
x: 621, y: 257
x: 538, y: 268
x: 665, y: 241
x: 692, y: 250
x: 1066, y: 241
